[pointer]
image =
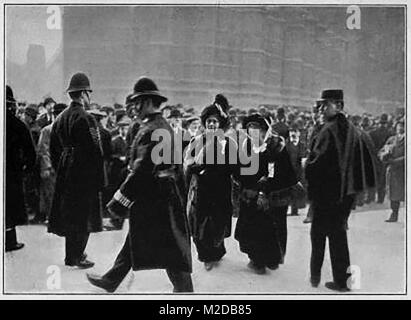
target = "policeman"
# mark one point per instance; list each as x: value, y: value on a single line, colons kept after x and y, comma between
x: 77, y: 157
x: 158, y: 234
x: 338, y: 168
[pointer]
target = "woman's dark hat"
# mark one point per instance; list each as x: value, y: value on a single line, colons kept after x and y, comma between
x: 257, y: 120
x: 146, y: 87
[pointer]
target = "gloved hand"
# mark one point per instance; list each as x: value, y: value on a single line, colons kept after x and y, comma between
x: 116, y: 209
x: 262, y: 202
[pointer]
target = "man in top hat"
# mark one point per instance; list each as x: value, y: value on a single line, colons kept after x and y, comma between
x: 47, y: 173
x: 380, y: 136
x: 158, y: 230
x: 339, y: 166
x: 20, y: 158
x: 76, y: 153
x: 48, y: 117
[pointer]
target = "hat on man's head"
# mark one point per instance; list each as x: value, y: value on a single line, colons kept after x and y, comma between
x: 58, y: 108
x: 252, y: 111
x: 9, y: 95
x: 107, y: 109
x: 124, y: 121
x: 332, y: 94
x: 97, y: 113
x: 384, y: 118
x: 79, y: 82
x: 175, y: 113
x: 192, y: 119
x: 48, y: 100
x: 31, y: 111
x: 145, y: 87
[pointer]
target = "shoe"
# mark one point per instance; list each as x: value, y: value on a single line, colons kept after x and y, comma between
x: 315, y: 281
x: 273, y: 267
x: 15, y: 247
x: 393, y: 218
x: 257, y: 269
x: 98, y: 281
x: 82, y: 264
x: 333, y: 286
x: 208, y: 265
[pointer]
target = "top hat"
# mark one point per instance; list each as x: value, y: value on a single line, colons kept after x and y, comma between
x: 146, y: 87
x: 332, y: 94
x: 9, y: 95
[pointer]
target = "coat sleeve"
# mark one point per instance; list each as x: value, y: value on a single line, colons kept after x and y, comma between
x: 318, y: 159
x: 55, y: 148
x: 142, y: 168
x: 43, y: 149
x: 28, y: 148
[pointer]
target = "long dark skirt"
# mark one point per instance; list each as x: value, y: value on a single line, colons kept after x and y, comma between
x: 256, y: 233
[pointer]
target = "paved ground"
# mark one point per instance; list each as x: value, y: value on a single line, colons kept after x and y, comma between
x: 377, y: 248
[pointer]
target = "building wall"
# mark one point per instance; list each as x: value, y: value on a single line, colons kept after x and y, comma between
x: 254, y: 55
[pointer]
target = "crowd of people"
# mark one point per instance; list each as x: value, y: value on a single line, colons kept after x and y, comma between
x: 72, y: 166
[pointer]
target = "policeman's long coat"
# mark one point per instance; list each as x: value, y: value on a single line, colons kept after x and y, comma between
x: 78, y: 162
x: 159, y: 234
x: 20, y: 157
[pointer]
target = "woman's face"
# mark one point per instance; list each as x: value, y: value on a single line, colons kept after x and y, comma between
x: 212, y: 123
x: 400, y: 129
x: 251, y: 129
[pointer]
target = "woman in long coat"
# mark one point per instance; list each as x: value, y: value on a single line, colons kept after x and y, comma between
x: 256, y: 229
x: 393, y: 154
x: 209, y: 197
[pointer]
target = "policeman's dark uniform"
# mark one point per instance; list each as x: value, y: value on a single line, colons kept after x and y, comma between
x: 158, y: 236
x: 77, y: 157
x: 339, y: 167
x: 20, y: 158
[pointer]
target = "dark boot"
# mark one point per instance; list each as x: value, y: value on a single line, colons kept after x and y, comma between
x: 393, y: 217
x: 395, y: 206
x: 11, y: 241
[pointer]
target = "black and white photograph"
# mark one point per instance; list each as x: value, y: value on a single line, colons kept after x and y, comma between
x: 234, y: 149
